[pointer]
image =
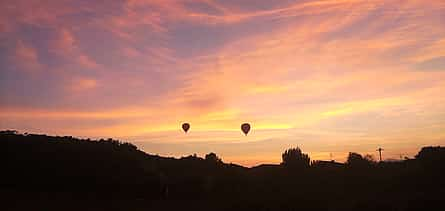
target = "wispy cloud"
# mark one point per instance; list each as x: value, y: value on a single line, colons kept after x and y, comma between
x: 328, y: 68
x: 26, y: 57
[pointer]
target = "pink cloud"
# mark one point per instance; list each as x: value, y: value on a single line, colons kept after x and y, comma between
x: 87, y: 62
x: 26, y: 57
x: 65, y: 43
x: 319, y: 66
x: 82, y: 84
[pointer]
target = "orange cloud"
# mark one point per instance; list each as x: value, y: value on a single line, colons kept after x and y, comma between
x: 321, y: 71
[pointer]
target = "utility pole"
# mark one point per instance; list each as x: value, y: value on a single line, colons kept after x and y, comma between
x: 380, y: 153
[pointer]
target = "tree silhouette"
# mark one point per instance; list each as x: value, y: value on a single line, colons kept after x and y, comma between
x: 60, y: 170
x: 295, y: 158
x: 212, y: 158
x: 431, y: 157
x: 357, y: 160
x: 8, y: 132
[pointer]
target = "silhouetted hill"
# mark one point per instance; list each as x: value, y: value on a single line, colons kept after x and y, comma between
x: 42, y: 172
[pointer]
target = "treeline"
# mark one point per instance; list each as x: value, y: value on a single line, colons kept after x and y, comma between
x: 52, y: 172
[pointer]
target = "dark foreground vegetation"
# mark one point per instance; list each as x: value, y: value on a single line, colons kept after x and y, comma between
x: 40, y: 172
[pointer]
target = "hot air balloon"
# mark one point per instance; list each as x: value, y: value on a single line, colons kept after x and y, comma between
x: 245, y: 127
x: 186, y: 127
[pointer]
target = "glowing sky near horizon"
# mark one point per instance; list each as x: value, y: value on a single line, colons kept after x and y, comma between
x: 330, y: 76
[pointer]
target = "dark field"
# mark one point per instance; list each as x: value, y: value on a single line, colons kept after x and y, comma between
x: 41, y: 172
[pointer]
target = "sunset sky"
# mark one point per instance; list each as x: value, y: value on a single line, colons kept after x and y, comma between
x: 330, y: 76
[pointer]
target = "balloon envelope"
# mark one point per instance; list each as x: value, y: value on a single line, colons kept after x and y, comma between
x: 186, y: 127
x: 245, y: 128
